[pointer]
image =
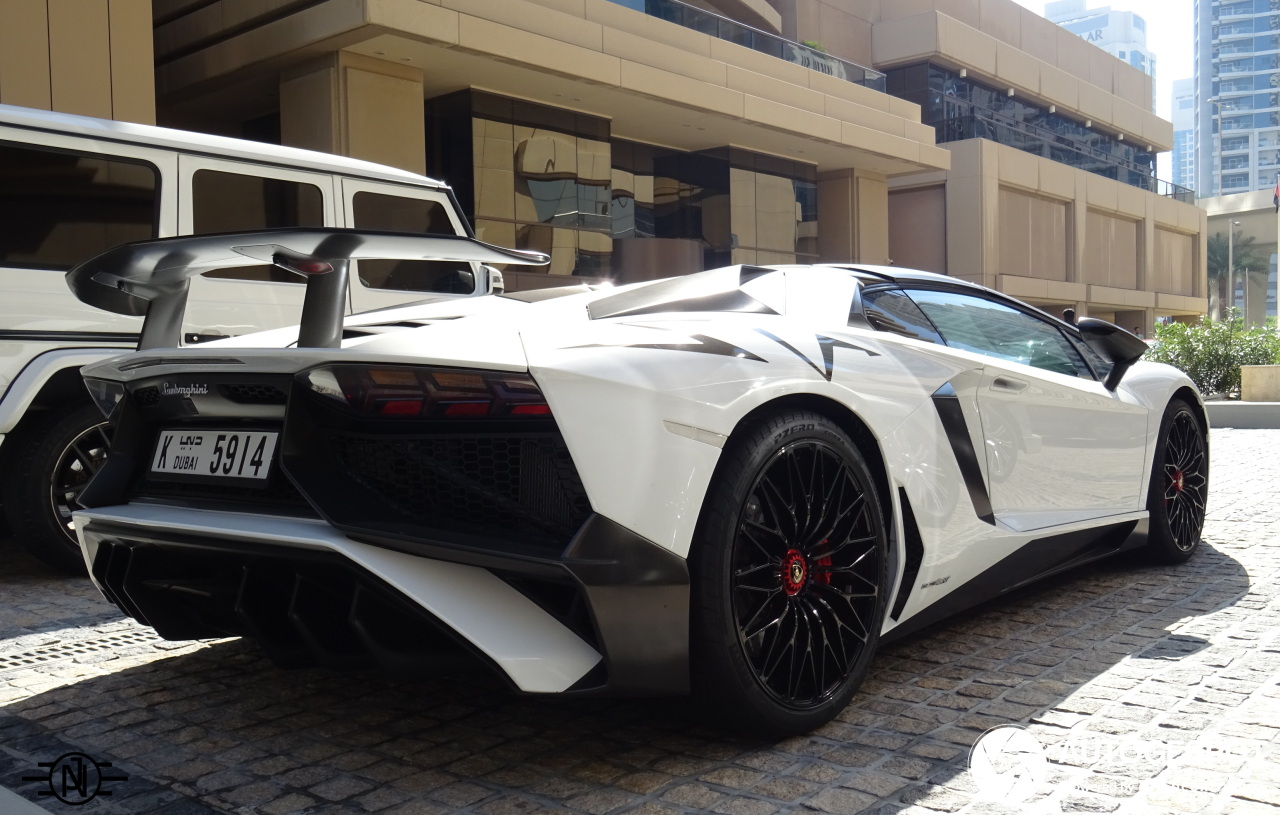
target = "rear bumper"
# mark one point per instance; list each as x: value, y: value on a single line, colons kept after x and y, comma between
x: 309, y: 593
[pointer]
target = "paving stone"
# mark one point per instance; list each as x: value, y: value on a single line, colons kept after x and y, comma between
x: 1088, y: 803
x: 840, y: 802
x: 881, y: 785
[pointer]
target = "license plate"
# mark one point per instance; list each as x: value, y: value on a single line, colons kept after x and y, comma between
x: 215, y: 453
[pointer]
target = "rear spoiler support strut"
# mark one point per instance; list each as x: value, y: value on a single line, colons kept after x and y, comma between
x: 323, y: 307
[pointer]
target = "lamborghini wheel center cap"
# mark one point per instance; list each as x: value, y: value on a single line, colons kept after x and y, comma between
x: 795, y: 572
x: 1178, y: 480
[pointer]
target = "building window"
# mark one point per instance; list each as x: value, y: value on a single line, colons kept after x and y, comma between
x: 961, y: 108
x: 555, y: 181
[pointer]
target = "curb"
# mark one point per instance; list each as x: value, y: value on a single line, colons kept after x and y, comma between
x: 1244, y: 415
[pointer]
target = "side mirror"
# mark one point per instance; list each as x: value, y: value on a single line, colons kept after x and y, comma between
x: 1113, y: 344
x: 493, y: 280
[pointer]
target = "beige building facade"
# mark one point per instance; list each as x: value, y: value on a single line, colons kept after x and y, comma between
x: 634, y: 139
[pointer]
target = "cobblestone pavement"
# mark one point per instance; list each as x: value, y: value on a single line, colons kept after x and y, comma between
x: 1153, y: 690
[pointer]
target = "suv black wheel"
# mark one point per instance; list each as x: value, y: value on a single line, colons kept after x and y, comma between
x: 55, y: 454
x: 1179, y: 485
x: 789, y: 576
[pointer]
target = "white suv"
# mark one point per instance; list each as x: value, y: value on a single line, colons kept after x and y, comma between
x: 71, y: 187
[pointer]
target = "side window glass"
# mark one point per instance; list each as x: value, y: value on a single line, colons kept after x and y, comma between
x: 1100, y: 366
x: 893, y: 311
x: 996, y: 330
x: 58, y: 209
x: 232, y: 202
x: 393, y: 213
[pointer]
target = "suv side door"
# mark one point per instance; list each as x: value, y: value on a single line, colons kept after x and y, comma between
x: 1059, y: 446
x: 230, y: 196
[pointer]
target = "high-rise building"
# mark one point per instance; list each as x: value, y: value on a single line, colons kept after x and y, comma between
x: 1122, y: 34
x: 1184, y: 132
x: 1237, y: 71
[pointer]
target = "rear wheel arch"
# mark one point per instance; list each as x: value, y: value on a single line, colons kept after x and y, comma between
x: 848, y: 421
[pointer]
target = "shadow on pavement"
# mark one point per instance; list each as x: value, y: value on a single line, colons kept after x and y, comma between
x: 222, y: 725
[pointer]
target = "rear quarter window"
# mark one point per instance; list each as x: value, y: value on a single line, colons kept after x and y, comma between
x: 58, y: 208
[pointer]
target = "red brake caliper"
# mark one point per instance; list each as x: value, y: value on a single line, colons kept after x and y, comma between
x: 795, y: 571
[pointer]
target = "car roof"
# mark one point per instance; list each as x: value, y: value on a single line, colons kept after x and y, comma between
x: 191, y: 142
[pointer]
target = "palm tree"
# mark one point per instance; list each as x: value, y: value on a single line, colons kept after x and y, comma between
x: 1245, y: 257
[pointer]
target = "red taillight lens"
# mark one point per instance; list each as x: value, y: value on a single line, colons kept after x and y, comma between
x: 531, y: 410
x: 423, y: 393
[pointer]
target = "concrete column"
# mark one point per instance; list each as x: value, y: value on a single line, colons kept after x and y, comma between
x: 973, y: 212
x: 853, y: 217
x: 837, y: 208
x: 357, y: 106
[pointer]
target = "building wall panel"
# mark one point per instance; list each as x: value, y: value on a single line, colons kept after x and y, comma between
x: 1032, y: 235
x: 918, y: 228
x: 1111, y: 251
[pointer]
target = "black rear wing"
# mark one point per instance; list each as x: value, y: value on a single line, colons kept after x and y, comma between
x: 151, y: 278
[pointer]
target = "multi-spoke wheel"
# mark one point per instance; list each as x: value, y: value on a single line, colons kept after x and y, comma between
x: 1179, y: 485
x: 788, y: 574
x: 54, y: 456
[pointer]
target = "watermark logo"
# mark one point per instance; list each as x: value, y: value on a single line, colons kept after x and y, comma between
x: 75, y: 778
x: 1008, y: 763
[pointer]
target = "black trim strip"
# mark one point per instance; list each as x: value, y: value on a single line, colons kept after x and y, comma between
x: 22, y: 335
x: 947, y: 403
x: 707, y: 345
x: 1035, y: 560
x: 913, y: 544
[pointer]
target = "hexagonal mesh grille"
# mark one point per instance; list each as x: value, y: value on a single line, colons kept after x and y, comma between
x: 486, y: 485
x: 254, y: 394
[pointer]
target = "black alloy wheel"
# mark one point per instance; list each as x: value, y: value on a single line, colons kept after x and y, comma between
x: 80, y: 461
x: 1179, y: 485
x: 55, y: 454
x: 789, y: 577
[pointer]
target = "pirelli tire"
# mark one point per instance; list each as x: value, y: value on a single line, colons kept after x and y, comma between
x: 51, y: 457
x: 1179, y: 489
x: 788, y: 570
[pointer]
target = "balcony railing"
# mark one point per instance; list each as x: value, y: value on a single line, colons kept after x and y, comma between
x: 722, y: 28
x: 1047, y: 144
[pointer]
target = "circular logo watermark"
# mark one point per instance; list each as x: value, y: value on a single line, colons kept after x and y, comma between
x: 1008, y: 763
x: 75, y: 778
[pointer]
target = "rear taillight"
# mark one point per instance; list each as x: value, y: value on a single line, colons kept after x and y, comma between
x: 403, y: 392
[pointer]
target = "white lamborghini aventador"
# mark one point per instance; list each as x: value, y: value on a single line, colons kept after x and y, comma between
x: 732, y: 483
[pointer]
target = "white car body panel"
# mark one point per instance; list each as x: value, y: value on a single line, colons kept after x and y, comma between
x: 538, y: 653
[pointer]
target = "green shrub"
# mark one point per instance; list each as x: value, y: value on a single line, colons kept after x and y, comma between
x: 1212, y: 351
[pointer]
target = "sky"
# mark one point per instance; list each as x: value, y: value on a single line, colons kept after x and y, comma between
x: 1169, y: 37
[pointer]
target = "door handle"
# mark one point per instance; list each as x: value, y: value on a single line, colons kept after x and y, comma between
x: 1004, y: 383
